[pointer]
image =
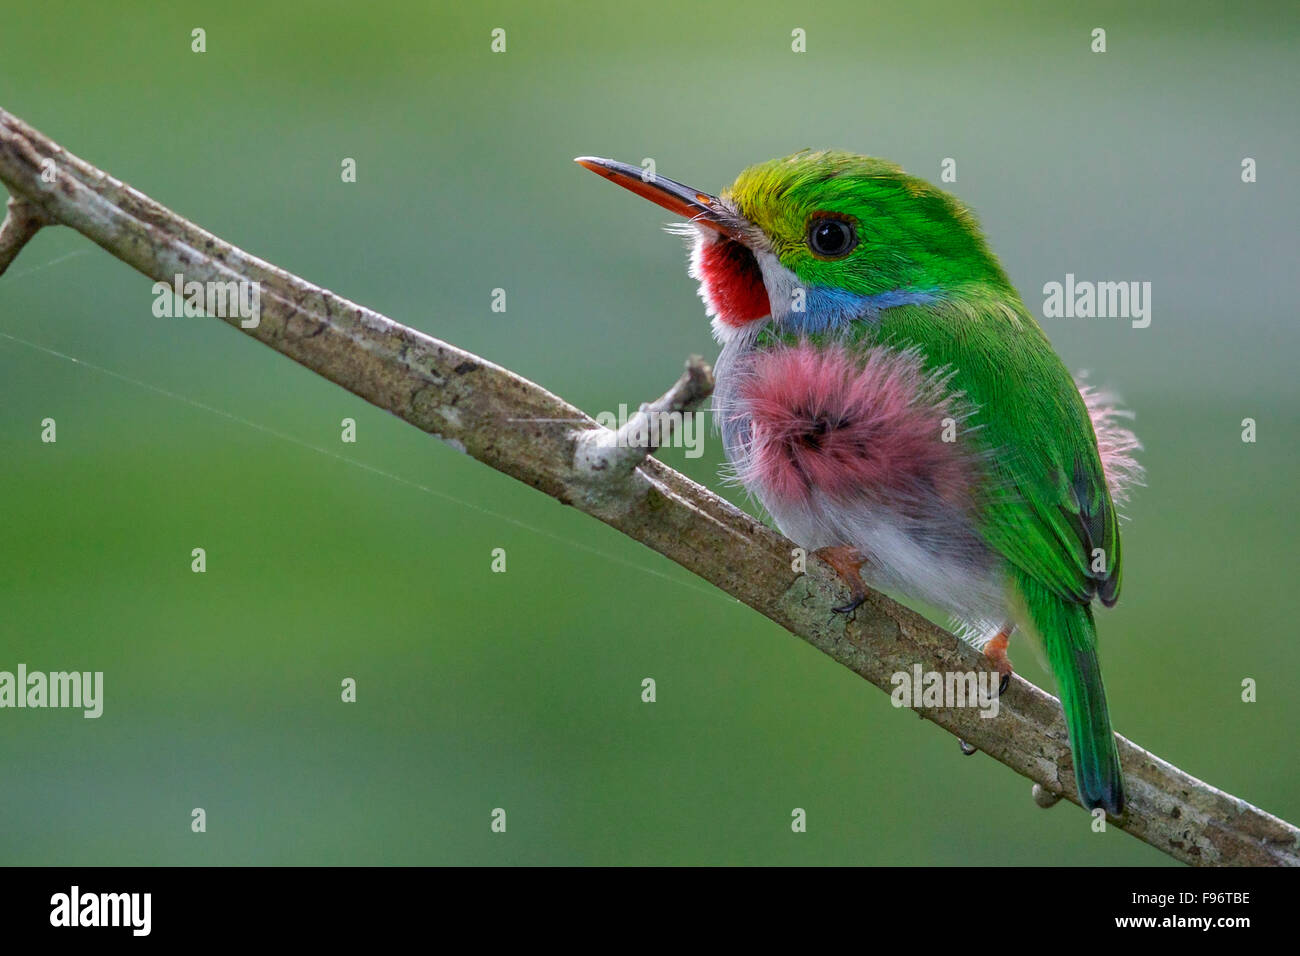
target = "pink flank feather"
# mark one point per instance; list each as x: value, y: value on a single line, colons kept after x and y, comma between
x: 873, y: 425
x: 1115, y: 443
x: 850, y: 426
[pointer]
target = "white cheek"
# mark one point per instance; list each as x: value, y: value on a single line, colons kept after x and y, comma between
x: 780, y: 283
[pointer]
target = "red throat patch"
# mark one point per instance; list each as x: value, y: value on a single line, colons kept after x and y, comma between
x: 731, y: 281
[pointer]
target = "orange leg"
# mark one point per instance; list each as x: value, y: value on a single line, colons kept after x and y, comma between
x: 996, y: 651
x: 847, y: 563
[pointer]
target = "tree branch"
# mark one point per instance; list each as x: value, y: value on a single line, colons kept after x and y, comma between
x: 523, y: 430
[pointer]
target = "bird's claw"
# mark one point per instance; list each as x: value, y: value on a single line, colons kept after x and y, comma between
x: 853, y: 605
x: 847, y: 563
x: 996, y: 651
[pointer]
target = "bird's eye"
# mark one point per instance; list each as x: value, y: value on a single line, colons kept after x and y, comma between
x: 832, y: 238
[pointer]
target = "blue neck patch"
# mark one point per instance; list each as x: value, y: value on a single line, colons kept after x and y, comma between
x: 826, y: 307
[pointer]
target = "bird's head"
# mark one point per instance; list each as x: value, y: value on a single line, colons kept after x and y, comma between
x: 819, y: 238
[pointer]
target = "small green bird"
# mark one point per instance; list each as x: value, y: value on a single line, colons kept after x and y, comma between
x: 886, y: 396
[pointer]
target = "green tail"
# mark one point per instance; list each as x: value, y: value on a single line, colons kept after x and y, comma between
x: 1070, y: 638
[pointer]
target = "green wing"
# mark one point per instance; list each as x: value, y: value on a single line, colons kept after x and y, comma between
x: 1048, y: 508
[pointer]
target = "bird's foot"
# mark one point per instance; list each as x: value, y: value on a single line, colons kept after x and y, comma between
x: 996, y: 651
x: 847, y: 562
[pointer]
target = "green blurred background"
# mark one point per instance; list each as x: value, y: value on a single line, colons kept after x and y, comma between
x: 522, y: 690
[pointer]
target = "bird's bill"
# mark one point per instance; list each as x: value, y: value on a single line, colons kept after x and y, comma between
x: 697, y: 206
